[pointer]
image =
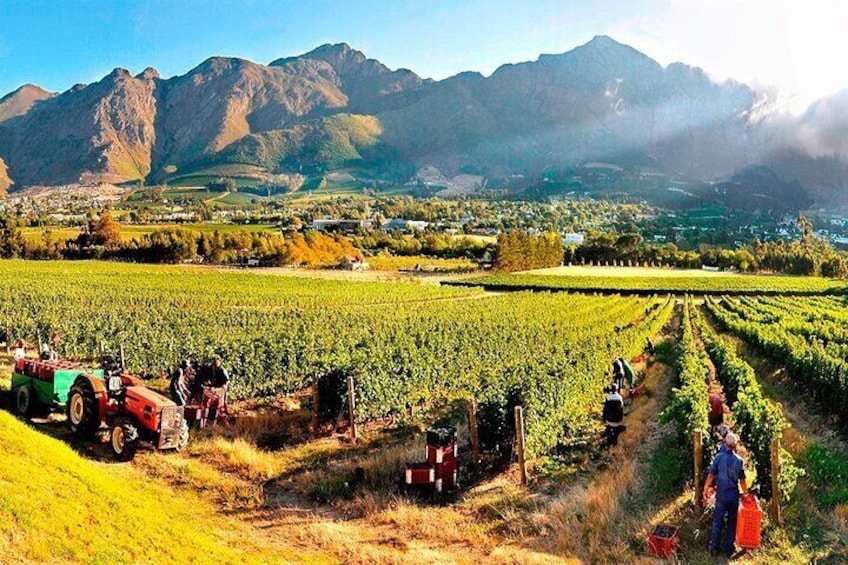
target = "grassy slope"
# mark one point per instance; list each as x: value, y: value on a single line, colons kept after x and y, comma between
x: 56, y: 506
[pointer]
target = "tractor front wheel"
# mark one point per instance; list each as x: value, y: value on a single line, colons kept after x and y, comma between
x: 123, y: 438
x: 24, y: 400
x: 182, y: 442
x: 82, y: 411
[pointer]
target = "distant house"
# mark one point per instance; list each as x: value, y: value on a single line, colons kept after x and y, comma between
x: 404, y: 225
x: 572, y: 238
x: 345, y: 226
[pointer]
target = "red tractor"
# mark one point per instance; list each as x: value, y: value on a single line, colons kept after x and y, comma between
x: 131, y: 411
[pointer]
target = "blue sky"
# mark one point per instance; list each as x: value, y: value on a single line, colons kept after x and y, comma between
x: 787, y: 43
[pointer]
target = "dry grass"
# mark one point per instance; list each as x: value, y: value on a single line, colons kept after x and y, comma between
x: 228, y: 491
x: 591, y: 521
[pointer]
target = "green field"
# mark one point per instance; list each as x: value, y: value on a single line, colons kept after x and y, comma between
x: 638, y: 280
x: 130, y: 231
x: 392, y: 263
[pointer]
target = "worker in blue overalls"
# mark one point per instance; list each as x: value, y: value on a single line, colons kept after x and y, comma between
x: 727, y: 472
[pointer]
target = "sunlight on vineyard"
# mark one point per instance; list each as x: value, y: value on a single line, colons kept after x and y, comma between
x: 406, y: 345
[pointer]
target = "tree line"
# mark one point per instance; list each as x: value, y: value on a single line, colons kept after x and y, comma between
x: 100, y: 238
x: 810, y: 255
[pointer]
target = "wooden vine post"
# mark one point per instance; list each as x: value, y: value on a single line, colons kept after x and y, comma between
x: 472, y: 427
x: 519, y: 443
x: 351, y: 409
x: 316, y: 406
x: 698, y: 445
x: 775, y: 486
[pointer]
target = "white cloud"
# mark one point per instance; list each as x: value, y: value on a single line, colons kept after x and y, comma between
x: 792, y: 44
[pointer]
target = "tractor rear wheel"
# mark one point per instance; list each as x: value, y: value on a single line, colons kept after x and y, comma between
x: 123, y: 439
x: 82, y: 411
x: 24, y: 400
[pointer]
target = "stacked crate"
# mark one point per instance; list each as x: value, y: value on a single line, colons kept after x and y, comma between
x: 440, y: 468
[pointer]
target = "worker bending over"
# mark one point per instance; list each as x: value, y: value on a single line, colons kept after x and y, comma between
x: 621, y: 372
x: 727, y: 472
x: 613, y: 415
x: 716, y: 412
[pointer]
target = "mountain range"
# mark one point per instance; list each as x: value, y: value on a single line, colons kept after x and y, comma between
x: 335, y: 109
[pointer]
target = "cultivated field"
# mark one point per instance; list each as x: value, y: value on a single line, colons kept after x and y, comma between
x: 657, y: 280
x: 136, y: 231
x: 283, y: 483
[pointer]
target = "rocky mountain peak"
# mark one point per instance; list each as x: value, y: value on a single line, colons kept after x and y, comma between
x: 148, y: 74
x: 20, y: 101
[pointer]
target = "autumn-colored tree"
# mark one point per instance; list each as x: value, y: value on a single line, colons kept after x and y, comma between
x: 107, y: 231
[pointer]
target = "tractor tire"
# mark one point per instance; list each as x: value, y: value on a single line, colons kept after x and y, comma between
x: 184, y: 437
x: 123, y: 439
x: 82, y: 411
x: 24, y: 400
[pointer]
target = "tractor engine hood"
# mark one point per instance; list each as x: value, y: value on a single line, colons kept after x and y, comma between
x: 152, y: 410
x: 148, y: 397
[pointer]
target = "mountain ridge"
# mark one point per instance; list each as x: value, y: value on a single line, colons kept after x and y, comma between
x: 601, y: 101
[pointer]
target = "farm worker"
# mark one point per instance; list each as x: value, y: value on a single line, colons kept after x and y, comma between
x: 190, y: 379
x: 20, y: 349
x: 649, y: 346
x: 613, y: 415
x: 628, y: 372
x: 182, y: 381
x: 727, y: 471
x: 47, y: 353
x: 220, y: 376
x: 617, y: 372
x: 716, y: 414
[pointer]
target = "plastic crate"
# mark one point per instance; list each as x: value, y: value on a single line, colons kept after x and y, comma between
x: 441, y: 454
x: 418, y: 474
x: 749, y: 522
x: 663, y: 541
x: 447, y: 475
x: 441, y: 437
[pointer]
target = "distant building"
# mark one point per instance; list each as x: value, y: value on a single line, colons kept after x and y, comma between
x: 346, y: 226
x: 572, y: 238
x: 404, y: 225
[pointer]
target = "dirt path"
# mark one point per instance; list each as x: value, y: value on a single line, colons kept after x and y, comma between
x: 602, y: 518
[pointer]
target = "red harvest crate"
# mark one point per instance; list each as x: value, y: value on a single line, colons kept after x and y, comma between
x: 420, y: 473
x: 446, y: 475
x: 439, y: 454
x: 748, y: 523
x: 663, y: 541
